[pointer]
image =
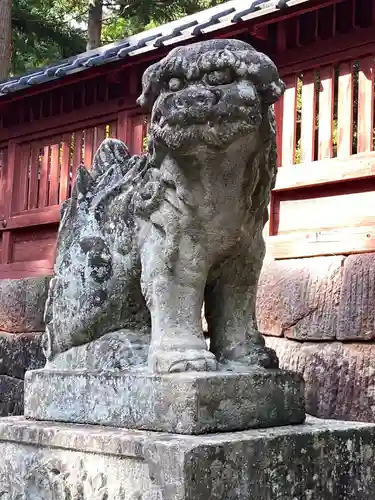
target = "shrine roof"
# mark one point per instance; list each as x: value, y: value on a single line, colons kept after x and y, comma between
x: 185, y: 29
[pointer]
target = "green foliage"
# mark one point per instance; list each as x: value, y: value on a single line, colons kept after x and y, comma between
x: 42, y: 34
x: 48, y: 30
x: 143, y: 13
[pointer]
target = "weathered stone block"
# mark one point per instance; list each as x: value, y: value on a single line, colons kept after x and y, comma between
x: 186, y: 403
x: 22, y: 303
x: 339, y: 378
x: 20, y: 352
x: 357, y: 311
x: 299, y: 298
x: 321, y: 460
x: 118, y: 350
x: 11, y: 396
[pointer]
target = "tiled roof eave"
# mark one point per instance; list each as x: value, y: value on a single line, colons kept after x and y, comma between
x: 208, y: 21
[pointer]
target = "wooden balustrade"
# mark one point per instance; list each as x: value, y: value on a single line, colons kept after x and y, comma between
x: 43, y: 171
x: 324, y: 196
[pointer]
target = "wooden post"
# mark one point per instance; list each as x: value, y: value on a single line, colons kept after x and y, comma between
x: 123, y: 127
x: 6, y: 254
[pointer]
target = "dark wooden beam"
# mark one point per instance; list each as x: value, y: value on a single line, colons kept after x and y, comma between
x: 342, y: 47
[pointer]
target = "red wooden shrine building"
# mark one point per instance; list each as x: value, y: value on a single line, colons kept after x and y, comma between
x: 53, y: 119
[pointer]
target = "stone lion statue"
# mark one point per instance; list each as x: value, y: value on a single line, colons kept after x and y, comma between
x: 145, y: 240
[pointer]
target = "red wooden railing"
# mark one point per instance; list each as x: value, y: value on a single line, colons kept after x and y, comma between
x: 321, y: 207
x: 41, y: 178
x: 48, y: 165
x: 322, y: 202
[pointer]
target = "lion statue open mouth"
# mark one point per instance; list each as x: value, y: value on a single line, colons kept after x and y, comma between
x: 145, y: 240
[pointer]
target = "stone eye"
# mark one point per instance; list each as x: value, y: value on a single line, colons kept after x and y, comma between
x: 175, y: 84
x: 218, y: 77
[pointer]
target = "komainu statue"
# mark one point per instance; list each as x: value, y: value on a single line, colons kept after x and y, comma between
x: 145, y: 240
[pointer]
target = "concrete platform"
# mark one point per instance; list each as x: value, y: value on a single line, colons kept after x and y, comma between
x: 185, y: 403
x: 319, y: 460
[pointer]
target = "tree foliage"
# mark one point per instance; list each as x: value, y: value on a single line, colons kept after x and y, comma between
x: 49, y: 30
x: 42, y: 34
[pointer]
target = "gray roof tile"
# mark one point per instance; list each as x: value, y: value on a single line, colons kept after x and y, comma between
x: 209, y: 20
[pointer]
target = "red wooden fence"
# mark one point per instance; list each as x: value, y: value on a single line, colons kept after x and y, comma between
x: 41, y: 178
x: 322, y: 202
x: 325, y: 192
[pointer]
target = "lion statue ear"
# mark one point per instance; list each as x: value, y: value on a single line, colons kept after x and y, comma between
x: 273, y: 92
x: 144, y: 101
x: 151, y: 86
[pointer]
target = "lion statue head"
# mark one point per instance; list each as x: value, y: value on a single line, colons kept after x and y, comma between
x: 210, y: 93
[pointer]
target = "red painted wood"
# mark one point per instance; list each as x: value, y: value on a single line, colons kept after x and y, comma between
x: 44, y: 173
x: 21, y: 191
x: 65, y: 168
x: 321, y: 213
x: 37, y: 217
x: 289, y: 121
x: 345, y: 110
x: 53, y: 198
x: 86, y: 117
x: 3, y: 167
x: 89, y: 147
x: 32, y: 244
x: 6, y: 241
x: 123, y: 126
x: 113, y: 129
x: 308, y: 116
x: 6, y: 250
x: 13, y: 161
x: 137, y: 134
x: 278, y: 109
x: 328, y: 171
x: 280, y: 37
x: 36, y: 264
x: 365, y: 104
x: 17, y: 270
x: 77, y: 154
x: 93, y: 118
x: 322, y: 53
x: 326, y: 99
x: 332, y: 242
x: 34, y: 174
x: 100, y: 134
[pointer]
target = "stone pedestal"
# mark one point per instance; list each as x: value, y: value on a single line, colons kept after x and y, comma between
x: 320, y: 460
x: 185, y: 403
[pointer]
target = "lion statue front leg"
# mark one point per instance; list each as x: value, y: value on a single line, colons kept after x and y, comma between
x: 174, y: 296
x: 230, y: 309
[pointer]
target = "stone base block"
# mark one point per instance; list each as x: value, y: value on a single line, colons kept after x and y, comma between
x: 320, y: 460
x: 185, y: 403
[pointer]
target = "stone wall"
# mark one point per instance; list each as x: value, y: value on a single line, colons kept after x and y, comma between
x: 319, y: 315
x: 21, y: 325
